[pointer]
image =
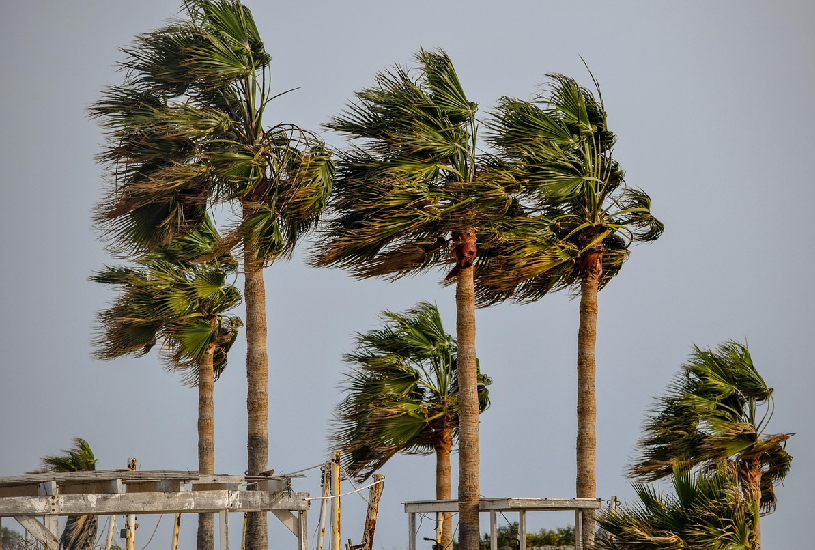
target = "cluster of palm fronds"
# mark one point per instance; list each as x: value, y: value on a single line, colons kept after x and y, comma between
x: 708, y: 435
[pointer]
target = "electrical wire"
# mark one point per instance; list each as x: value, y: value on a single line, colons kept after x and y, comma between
x: 154, y: 532
x: 348, y: 493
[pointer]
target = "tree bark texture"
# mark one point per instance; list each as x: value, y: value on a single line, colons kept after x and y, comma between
x: 586, y: 485
x: 443, y: 445
x: 257, y: 381
x: 468, y: 481
x: 749, y: 471
x: 206, y: 439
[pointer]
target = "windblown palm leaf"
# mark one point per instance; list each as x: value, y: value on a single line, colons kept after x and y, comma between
x: 169, y: 297
x: 80, y: 531
x: 402, y: 393
x: 717, y: 410
x: 577, y: 208
x: 705, y: 512
x: 402, y: 396
x: 185, y: 129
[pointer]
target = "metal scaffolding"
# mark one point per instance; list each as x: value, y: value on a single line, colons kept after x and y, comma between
x: 124, y: 492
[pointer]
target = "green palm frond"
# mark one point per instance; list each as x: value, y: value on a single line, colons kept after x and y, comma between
x: 715, y: 410
x: 573, y: 200
x: 79, y: 458
x: 177, y: 295
x: 408, y: 180
x: 185, y: 130
x: 400, y: 391
x: 704, y: 511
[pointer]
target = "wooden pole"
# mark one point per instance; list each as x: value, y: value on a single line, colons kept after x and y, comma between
x: 176, y: 530
x: 335, y: 503
x: 373, y: 511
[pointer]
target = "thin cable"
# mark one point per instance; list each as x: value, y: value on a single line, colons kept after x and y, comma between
x: 348, y: 493
x: 103, y: 533
x: 303, y: 470
x: 154, y: 532
x: 350, y: 478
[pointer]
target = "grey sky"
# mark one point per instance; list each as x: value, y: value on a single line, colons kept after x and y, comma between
x: 712, y: 105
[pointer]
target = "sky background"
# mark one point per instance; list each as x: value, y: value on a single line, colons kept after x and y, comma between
x: 712, y: 103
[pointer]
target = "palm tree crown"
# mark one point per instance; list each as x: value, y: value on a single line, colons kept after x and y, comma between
x: 167, y: 297
x: 705, y: 510
x: 578, y: 214
x: 717, y: 410
x: 401, y: 395
x: 185, y: 129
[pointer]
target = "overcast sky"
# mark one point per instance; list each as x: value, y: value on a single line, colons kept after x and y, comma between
x: 712, y: 103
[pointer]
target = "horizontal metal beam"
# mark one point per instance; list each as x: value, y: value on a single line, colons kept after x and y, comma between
x: 153, y: 503
x: 506, y: 504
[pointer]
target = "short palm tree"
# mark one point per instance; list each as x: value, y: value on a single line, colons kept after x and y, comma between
x: 715, y: 411
x: 401, y: 396
x: 571, y: 230
x: 170, y: 298
x: 186, y: 129
x: 704, y: 512
x: 411, y: 184
x: 80, y: 531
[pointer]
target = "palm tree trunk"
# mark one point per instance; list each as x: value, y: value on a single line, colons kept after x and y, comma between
x: 586, y: 485
x: 443, y: 445
x: 257, y: 380
x: 468, y: 457
x: 206, y: 439
x: 750, y: 480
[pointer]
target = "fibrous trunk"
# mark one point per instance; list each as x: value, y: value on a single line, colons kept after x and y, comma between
x: 750, y: 480
x: 586, y: 485
x: 257, y: 380
x: 443, y: 444
x: 468, y: 482
x: 206, y: 440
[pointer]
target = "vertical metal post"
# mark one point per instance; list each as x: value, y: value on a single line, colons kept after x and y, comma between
x: 50, y: 522
x: 412, y: 531
x: 493, y: 531
x: 130, y: 526
x: 176, y: 530
x: 302, y: 524
x: 522, y: 529
x: 111, y: 530
x: 326, y: 473
x: 578, y: 529
x: 335, y: 492
x: 223, y: 516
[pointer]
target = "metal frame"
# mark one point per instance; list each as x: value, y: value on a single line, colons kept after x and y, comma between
x: 124, y: 492
x: 495, y: 505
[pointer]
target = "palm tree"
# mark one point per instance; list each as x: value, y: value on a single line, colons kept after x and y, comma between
x: 169, y: 298
x: 410, y: 184
x: 577, y: 225
x: 716, y: 410
x: 80, y: 531
x: 186, y: 129
x: 402, y: 397
x: 705, y: 511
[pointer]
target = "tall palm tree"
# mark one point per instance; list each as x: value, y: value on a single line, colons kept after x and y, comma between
x: 169, y: 298
x: 402, y: 397
x: 578, y: 222
x: 409, y: 185
x: 705, y: 511
x: 186, y: 129
x: 80, y: 531
x: 717, y: 410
